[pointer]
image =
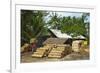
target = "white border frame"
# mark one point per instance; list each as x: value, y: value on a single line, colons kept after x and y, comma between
x: 15, y: 38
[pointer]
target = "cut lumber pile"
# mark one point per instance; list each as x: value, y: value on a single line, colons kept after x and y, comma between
x: 41, y: 52
x: 56, y: 53
x: 76, y: 45
x: 25, y: 47
x: 59, y: 52
x: 38, y: 54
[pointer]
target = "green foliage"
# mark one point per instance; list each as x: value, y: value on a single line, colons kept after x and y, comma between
x: 55, y: 21
x: 70, y: 25
x: 32, y: 23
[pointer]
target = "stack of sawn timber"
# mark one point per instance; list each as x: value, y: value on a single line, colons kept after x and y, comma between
x: 76, y: 45
x: 41, y: 52
x: 59, y: 51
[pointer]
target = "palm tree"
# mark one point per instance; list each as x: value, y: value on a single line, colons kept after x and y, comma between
x: 32, y: 23
x: 55, y: 21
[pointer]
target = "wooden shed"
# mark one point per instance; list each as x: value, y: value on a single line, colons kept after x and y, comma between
x: 57, y: 41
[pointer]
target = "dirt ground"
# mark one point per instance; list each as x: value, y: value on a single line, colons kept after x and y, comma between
x: 27, y: 58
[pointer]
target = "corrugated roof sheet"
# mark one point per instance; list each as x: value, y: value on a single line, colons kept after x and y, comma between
x: 59, y: 34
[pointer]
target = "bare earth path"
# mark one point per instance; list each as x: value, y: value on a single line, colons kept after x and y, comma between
x: 26, y: 58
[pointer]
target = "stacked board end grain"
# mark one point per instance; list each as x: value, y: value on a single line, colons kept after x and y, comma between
x: 55, y: 53
x: 58, y: 52
x: 67, y: 48
x: 25, y: 48
x: 76, y: 45
x: 41, y: 52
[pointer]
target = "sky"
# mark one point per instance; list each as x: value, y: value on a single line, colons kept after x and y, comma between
x: 66, y: 14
